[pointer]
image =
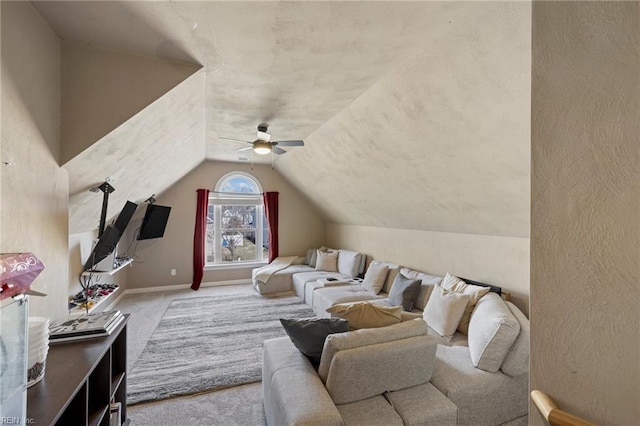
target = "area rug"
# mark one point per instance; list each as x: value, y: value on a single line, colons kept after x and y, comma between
x: 208, y: 343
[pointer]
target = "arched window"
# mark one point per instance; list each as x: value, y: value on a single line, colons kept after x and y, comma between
x: 237, y: 230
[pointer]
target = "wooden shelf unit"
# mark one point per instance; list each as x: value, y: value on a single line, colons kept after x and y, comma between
x: 82, y: 378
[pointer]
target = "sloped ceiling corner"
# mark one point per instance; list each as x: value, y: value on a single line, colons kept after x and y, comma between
x: 144, y: 156
x: 442, y: 143
x: 103, y: 88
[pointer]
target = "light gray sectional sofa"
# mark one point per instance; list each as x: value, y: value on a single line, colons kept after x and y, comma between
x: 405, y: 373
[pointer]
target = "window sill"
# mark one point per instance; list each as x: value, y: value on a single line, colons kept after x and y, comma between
x: 244, y: 265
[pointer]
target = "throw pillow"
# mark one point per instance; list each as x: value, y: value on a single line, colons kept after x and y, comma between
x: 375, y: 276
x: 326, y: 261
x: 492, y: 331
x: 308, y: 335
x: 366, y: 315
x: 475, y: 293
x: 394, y: 270
x: 349, y: 262
x: 404, y: 292
x: 311, y: 253
x: 444, y: 310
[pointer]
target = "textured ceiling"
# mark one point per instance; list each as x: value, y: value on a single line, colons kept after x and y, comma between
x: 414, y: 114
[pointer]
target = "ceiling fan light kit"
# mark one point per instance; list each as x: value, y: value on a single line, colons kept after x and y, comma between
x: 261, y: 147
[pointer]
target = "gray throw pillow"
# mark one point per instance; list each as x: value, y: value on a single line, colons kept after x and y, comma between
x: 308, y: 335
x: 404, y: 292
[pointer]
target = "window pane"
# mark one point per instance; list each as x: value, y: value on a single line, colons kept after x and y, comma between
x: 210, y: 247
x: 239, y: 184
x: 238, y: 246
x: 238, y: 217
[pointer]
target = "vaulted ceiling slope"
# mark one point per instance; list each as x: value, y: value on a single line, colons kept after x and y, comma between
x: 414, y: 114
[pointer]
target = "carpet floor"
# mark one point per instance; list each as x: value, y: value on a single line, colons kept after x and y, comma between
x: 209, y: 343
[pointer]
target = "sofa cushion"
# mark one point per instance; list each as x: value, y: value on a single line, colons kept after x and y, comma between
x: 349, y: 262
x: 492, y: 331
x: 517, y: 360
x: 326, y: 261
x: 371, y: 411
x: 404, y: 292
x: 366, y: 315
x: 284, y: 368
x: 367, y: 337
x: 375, y: 276
x: 475, y: 293
x: 308, y: 335
x: 426, y: 285
x: 363, y: 372
x: 423, y: 405
x: 482, y: 398
x: 444, y: 311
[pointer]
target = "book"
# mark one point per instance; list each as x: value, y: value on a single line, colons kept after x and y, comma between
x: 106, y: 332
x: 85, y: 325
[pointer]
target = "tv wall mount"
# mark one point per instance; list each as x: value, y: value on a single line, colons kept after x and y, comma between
x: 106, y: 189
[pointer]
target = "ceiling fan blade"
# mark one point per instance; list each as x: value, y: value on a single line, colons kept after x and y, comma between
x: 234, y: 139
x: 244, y: 149
x: 290, y: 143
x: 277, y: 150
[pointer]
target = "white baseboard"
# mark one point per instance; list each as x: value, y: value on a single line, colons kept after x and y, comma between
x: 181, y: 287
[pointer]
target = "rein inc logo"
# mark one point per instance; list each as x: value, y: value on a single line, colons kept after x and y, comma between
x: 17, y: 421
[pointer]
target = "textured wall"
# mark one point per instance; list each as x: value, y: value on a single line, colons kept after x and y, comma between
x: 101, y: 89
x: 441, y: 143
x: 300, y: 227
x: 34, y: 197
x: 502, y: 261
x: 585, y: 230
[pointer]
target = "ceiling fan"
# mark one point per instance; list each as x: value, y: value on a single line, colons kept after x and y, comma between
x: 264, y: 145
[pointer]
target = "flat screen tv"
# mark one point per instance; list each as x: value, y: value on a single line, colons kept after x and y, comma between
x: 125, y: 216
x: 110, y: 236
x: 106, y: 244
x: 154, y: 222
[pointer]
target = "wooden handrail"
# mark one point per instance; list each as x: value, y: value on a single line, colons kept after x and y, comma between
x: 554, y: 415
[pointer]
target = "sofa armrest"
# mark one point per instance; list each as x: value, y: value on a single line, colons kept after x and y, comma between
x: 292, y: 392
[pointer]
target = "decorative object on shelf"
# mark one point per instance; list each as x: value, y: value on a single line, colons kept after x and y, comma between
x: 17, y: 272
x: 85, y: 326
x: 90, y: 297
x: 38, y: 347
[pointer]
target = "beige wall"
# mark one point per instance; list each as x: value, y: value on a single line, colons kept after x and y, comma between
x: 501, y: 261
x: 585, y: 230
x: 102, y: 88
x: 300, y: 228
x: 34, y: 197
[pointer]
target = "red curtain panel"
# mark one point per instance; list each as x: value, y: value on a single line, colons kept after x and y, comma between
x: 199, y: 235
x: 270, y: 200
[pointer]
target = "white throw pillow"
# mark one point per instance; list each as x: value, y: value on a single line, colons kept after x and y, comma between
x: 475, y: 293
x: 375, y: 276
x: 349, y: 262
x: 492, y: 331
x: 444, y: 310
x: 326, y: 261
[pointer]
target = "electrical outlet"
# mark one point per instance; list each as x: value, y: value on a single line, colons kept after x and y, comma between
x: 173, y: 272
